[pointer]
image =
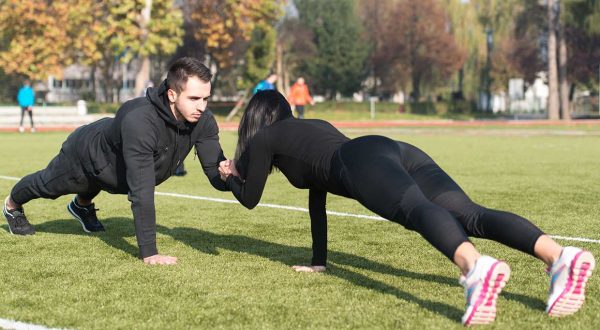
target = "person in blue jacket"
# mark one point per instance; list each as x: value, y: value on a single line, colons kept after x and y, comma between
x: 26, y: 99
x: 266, y: 84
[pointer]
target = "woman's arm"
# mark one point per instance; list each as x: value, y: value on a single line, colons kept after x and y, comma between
x: 258, y: 158
x: 317, y: 200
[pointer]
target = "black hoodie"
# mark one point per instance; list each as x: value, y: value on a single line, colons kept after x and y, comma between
x: 141, y: 148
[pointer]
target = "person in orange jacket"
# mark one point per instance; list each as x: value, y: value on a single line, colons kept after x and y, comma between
x: 299, y: 96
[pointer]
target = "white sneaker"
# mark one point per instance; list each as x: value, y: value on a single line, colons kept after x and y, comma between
x: 21, y: 129
x: 568, y: 277
x: 482, y: 287
x: 33, y: 130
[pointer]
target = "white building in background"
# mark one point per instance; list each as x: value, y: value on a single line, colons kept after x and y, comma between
x: 532, y: 99
x: 76, y: 84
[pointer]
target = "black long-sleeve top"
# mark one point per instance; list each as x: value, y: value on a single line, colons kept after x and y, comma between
x: 303, y: 151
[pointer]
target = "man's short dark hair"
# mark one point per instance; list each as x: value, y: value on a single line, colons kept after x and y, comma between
x: 186, y: 67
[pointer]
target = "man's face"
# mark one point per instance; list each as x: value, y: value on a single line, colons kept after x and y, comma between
x: 192, y: 101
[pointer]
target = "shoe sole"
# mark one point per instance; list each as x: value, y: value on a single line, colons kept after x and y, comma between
x: 77, y: 218
x: 573, y: 296
x: 484, y: 309
x: 6, y: 214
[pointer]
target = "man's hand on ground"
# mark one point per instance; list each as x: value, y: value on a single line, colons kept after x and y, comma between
x: 309, y: 269
x: 158, y: 259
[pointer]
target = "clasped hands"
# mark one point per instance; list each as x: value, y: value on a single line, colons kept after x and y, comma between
x: 227, y: 168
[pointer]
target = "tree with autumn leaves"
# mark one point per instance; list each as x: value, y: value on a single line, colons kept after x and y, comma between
x: 40, y: 38
x: 412, y: 47
x: 36, y: 36
x: 224, y: 29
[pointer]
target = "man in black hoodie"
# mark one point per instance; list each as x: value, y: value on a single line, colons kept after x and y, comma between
x: 130, y: 154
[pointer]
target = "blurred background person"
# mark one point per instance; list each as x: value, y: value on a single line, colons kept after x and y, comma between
x: 265, y: 84
x: 299, y: 96
x: 26, y: 99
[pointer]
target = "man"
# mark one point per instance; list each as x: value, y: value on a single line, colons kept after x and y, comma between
x: 26, y: 99
x: 130, y: 154
x: 299, y: 97
x: 266, y: 84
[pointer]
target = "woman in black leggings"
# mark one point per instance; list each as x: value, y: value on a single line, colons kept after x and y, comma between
x: 402, y: 184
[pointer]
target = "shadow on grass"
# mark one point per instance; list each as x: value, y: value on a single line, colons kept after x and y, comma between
x: 116, y: 230
x: 210, y: 243
x: 531, y: 302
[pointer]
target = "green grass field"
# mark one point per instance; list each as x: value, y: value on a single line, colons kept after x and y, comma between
x: 234, y: 264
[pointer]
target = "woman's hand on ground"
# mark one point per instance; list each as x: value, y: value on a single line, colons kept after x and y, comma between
x: 309, y: 269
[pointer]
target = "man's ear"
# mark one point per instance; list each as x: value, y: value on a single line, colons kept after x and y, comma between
x: 172, y: 95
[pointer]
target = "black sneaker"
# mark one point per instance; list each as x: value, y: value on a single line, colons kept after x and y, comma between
x: 86, y: 216
x: 180, y: 170
x: 17, y: 221
x: 181, y: 173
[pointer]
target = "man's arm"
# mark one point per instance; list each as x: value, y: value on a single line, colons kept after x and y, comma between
x: 210, y: 153
x: 138, y: 152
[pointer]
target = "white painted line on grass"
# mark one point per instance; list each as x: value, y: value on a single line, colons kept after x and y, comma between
x: 302, y: 209
x: 578, y: 239
x: 16, y: 325
x: 273, y: 206
x: 9, y: 178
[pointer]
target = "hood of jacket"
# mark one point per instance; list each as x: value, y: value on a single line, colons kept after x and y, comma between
x: 158, y: 97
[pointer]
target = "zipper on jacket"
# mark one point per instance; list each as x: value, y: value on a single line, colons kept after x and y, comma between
x: 177, y: 147
x: 174, y: 155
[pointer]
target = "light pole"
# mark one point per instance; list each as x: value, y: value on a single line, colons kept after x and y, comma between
x: 488, y: 86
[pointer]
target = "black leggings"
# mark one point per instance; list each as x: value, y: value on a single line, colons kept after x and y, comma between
x: 30, y: 113
x: 403, y: 184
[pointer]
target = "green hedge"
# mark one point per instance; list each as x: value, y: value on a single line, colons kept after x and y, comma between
x: 420, y: 108
x: 95, y: 107
x: 440, y: 108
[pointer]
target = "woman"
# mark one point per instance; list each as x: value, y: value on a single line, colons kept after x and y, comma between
x: 402, y: 184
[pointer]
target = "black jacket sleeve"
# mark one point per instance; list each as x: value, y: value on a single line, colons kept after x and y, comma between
x: 210, y: 153
x: 259, y: 159
x: 317, y: 200
x: 139, y: 144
